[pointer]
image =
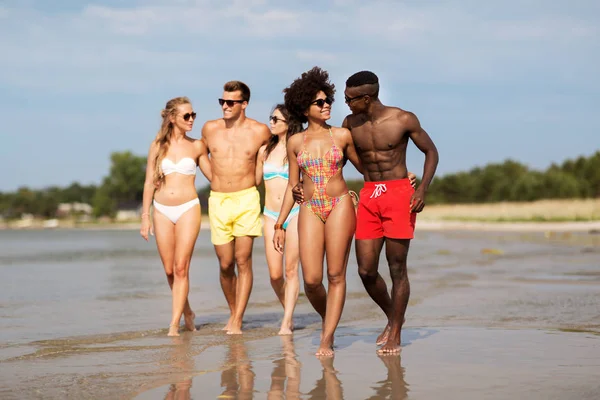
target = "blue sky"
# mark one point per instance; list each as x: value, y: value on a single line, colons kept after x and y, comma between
x: 489, y: 80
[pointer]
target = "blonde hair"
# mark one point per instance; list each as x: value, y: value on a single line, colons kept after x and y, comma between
x: 163, y: 137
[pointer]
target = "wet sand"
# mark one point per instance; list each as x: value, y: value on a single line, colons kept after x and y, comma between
x: 492, y: 315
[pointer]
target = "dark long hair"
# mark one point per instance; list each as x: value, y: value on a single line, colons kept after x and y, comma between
x: 294, y: 126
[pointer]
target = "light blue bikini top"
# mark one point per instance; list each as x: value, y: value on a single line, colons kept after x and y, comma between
x: 271, y: 171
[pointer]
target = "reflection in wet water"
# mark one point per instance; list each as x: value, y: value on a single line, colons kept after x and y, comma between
x: 183, y: 367
x: 285, y: 378
x: 394, y: 386
x: 328, y: 386
x: 237, y: 379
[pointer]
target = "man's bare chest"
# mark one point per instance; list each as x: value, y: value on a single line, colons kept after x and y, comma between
x: 233, y: 146
x: 373, y: 137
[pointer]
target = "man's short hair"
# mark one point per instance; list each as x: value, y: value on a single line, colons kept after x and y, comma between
x: 362, y: 78
x: 234, y: 86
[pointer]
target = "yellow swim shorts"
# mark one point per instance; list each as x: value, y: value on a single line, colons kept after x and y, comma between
x: 233, y: 215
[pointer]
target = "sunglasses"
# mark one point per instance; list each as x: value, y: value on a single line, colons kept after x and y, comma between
x: 275, y: 119
x: 351, y: 99
x: 186, y: 116
x: 230, y: 103
x: 321, y: 102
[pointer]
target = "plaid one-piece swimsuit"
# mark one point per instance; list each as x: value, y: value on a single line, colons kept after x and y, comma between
x: 320, y: 171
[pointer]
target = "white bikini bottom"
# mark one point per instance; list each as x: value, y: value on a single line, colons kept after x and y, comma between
x: 175, y: 212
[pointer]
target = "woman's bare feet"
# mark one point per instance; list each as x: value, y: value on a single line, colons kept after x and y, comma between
x: 173, y: 330
x: 325, y: 350
x: 286, y: 328
x: 326, y: 347
x: 227, y: 327
x: 189, y: 322
x: 235, y: 328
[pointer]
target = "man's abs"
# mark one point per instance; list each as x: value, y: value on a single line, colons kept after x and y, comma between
x: 233, y: 179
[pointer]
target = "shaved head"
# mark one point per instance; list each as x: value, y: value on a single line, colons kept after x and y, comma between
x: 366, y: 80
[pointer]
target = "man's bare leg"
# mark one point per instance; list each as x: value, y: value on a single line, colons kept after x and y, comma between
x: 396, y: 251
x: 225, y: 254
x: 367, y: 255
x: 243, y: 259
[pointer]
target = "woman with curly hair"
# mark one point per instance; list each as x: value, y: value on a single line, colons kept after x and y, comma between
x: 327, y: 218
x: 169, y: 187
x: 272, y: 165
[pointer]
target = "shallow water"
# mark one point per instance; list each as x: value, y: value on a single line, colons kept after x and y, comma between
x: 492, y: 315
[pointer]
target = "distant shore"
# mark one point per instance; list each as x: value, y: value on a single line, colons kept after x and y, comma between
x: 424, y: 225
x: 581, y: 215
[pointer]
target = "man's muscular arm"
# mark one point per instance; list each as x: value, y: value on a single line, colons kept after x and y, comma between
x: 264, y: 134
x: 203, y: 160
x: 424, y: 143
x: 350, y: 149
x: 260, y: 160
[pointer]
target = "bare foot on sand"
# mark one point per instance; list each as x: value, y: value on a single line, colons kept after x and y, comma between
x: 173, y: 330
x: 286, y: 329
x: 235, y: 328
x: 383, y: 337
x: 391, y: 347
x: 227, y: 327
x: 325, y: 348
x: 189, y: 322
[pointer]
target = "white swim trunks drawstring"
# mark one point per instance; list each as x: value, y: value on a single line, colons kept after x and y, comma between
x: 380, y: 188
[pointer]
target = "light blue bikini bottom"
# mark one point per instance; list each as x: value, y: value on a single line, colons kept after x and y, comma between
x: 274, y: 215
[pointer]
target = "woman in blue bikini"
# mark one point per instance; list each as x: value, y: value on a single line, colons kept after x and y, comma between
x: 272, y: 166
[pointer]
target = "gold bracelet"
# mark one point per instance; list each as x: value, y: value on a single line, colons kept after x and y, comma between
x: 279, y: 226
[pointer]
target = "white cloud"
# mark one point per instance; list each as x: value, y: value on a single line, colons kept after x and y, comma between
x: 103, y: 48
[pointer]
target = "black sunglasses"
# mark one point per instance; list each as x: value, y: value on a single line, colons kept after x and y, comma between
x: 230, y: 103
x: 186, y: 116
x: 351, y: 99
x: 276, y: 119
x: 321, y: 102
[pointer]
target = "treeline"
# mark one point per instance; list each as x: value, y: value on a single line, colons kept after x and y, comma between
x: 513, y: 181
x: 123, y: 187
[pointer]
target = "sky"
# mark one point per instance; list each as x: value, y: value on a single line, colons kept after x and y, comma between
x: 489, y: 80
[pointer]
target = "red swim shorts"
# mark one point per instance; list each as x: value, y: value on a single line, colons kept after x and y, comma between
x: 384, y: 210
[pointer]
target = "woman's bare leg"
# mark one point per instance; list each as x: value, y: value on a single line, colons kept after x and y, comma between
x: 311, y: 238
x: 274, y: 261
x: 292, y: 283
x: 339, y: 231
x: 164, y: 231
x: 186, y: 233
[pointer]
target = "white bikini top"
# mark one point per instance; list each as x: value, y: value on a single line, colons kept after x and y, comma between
x: 185, y: 166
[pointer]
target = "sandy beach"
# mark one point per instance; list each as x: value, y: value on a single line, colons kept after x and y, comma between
x: 492, y: 315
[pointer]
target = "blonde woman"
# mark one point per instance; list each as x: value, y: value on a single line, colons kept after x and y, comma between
x: 273, y: 167
x: 170, y: 188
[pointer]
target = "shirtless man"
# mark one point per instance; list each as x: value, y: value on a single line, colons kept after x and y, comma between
x: 234, y: 202
x: 388, y: 203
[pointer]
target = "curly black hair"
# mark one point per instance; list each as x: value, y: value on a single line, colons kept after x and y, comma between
x: 303, y: 90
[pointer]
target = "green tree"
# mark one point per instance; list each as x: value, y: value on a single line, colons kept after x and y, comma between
x: 125, y: 182
x: 103, y: 204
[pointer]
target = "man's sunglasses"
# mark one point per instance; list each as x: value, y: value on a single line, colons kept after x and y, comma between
x: 186, y: 116
x: 351, y: 99
x: 321, y: 102
x: 276, y: 119
x: 230, y: 103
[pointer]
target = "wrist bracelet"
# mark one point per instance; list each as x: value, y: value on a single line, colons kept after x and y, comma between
x: 279, y: 226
